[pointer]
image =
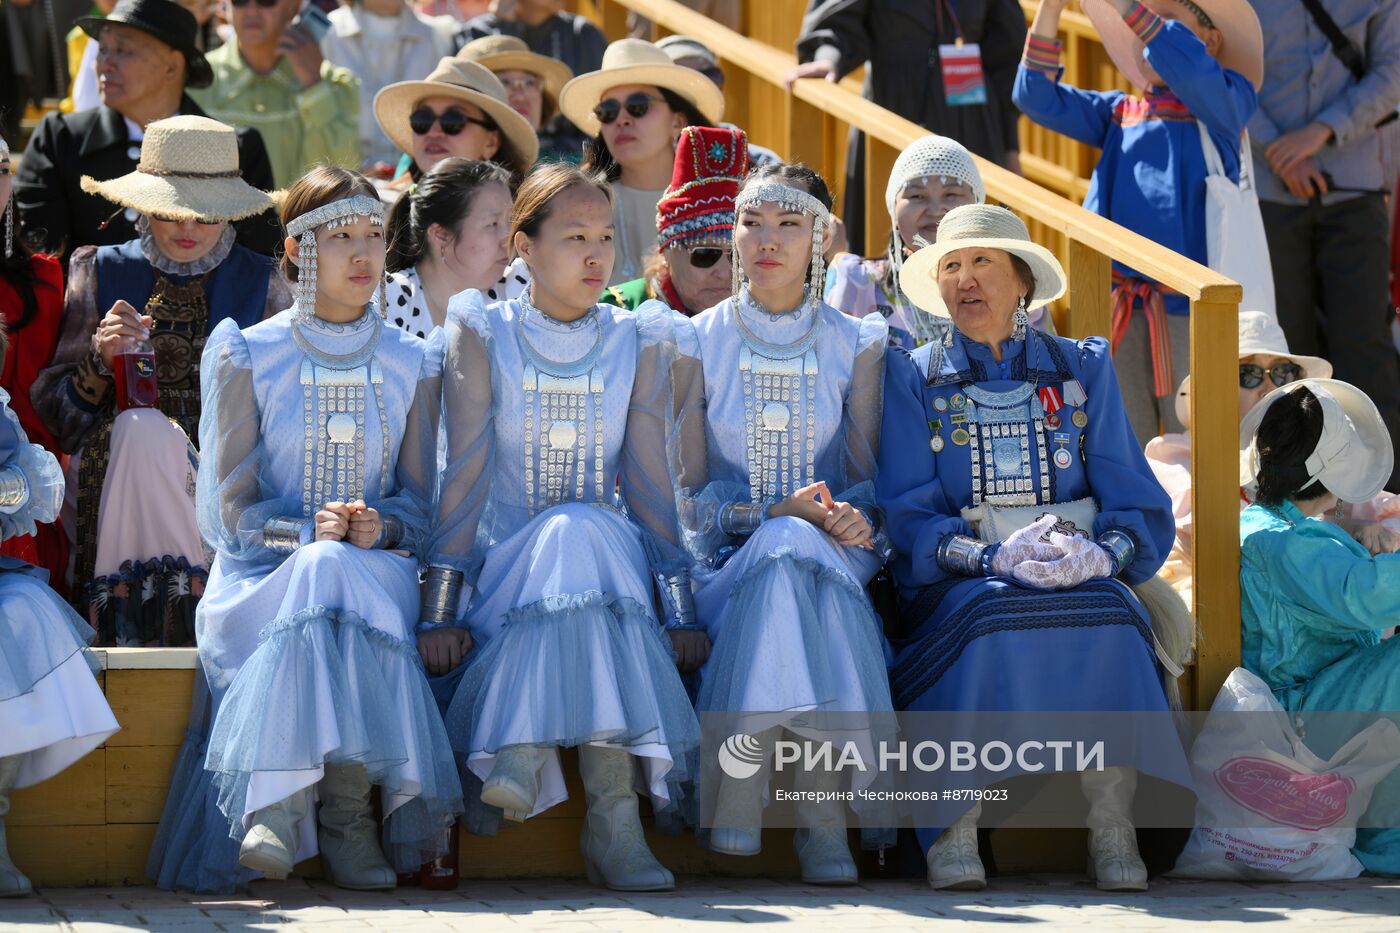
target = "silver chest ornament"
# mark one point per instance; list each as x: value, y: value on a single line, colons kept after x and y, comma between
x: 779, y: 386
x: 1003, y: 427
x: 561, y: 399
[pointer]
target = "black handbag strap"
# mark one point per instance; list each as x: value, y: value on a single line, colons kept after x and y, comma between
x: 1341, y: 45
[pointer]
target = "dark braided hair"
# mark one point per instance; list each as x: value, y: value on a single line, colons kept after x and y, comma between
x: 443, y: 196
x: 1287, y: 436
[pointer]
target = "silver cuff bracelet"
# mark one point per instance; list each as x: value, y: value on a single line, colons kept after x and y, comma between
x: 283, y: 533
x: 740, y: 519
x: 390, y: 532
x: 961, y: 555
x: 442, y: 589
x: 14, y: 488
x: 678, y: 601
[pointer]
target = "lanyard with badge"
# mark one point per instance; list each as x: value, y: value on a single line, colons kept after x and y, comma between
x: 961, y: 62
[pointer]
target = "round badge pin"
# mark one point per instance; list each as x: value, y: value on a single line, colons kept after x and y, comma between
x: 1052, y: 421
x: 958, y: 402
x: 1063, y: 458
x: 940, y: 404
x: 961, y: 437
x: 1080, y: 419
x: 936, y: 442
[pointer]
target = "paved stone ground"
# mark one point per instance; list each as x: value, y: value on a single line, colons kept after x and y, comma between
x: 1048, y: 902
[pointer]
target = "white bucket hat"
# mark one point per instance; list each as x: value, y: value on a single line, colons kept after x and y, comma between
x: 637, y: 61
x: 980, y: 225
x: 1259, y: 334
x: 1353, y: 458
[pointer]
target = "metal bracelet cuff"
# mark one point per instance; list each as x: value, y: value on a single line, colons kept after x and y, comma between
x: 282, y: 534
x: 740, y: 519
x: 14, y: 488
x: 442, y: 589
x: 962, y: 555
x: 1120, y: 547
x: 390, y: 532
x: 678, y: 601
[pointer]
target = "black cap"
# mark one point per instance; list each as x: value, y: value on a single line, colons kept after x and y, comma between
x: 167, y: 21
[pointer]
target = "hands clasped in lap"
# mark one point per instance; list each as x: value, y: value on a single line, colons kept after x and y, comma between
x: 1040, y: 557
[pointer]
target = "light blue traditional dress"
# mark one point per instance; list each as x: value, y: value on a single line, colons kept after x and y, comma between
x: 558, y: 505
x: 52, y: 712
x: 791, y: 399
x: 1313, y: 605
x: 308, y: 646
x: 960, y: 428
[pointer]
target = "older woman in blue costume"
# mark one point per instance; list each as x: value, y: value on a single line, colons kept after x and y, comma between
x: 1314, y: 601
x: 315, y: 485
x: 556, y: 517
x: 52, y: 712
x: 1019, y: 514
x: 784, y: 525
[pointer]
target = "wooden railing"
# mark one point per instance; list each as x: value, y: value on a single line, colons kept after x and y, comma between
x: 810, y: 124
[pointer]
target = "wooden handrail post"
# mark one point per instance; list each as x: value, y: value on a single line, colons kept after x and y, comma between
x: 1215, y: 495
x: 879, y: 165
x: 1090, y: 301
x: 806, y: 140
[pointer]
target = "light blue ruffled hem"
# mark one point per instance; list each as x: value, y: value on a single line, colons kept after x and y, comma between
x: 277, y: 683
x: 539, y: 649
x: 25, y: 661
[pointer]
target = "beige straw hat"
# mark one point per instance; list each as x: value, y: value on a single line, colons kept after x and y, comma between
x: 980, y: 225
x: 188, y: 171
x: 637, y: 61
x: 1242, y: 49
x: 469, y: 82
x: 508, y: 53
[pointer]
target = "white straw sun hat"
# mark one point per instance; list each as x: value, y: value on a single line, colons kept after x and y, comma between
x: 637, y: 61
x: 1353, y: 458
x: 188, y: 171
x: 980, y: 225
x: 509, y: 53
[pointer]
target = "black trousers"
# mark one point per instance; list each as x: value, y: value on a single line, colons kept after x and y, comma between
x: 1331, y: 267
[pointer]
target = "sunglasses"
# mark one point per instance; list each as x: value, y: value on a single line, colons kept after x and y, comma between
x: 705, y: 257
x: 452, y: 120
x: 265, y: 4
x: 637, y: 106
x: 1252, y: 374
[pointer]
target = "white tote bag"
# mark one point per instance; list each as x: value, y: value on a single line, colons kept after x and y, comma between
x: 1235, y: 240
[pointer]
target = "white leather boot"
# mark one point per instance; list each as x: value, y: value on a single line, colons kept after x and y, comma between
x: 270, y: 845
x: 823, y: 850
x: 515, y: 780
x: 952, y: 860
x: 614, y: 848
x: 13, y: 883
x: 738, y: 821
x: 349, y: 844
x: 1114, y: 863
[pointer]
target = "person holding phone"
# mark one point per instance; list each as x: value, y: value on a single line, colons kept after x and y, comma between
x: 271, y: 76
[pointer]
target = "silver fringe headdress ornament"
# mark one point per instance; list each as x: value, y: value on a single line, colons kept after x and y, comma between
x: 793, y: 199
x: 9, y: 207
x: 340, y: 213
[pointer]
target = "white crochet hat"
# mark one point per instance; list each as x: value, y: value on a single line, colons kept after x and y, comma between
x: 934, y: 155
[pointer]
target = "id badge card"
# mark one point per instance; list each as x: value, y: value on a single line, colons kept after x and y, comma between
x: 963, y: 81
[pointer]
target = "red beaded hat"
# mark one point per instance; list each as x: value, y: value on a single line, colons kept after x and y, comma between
x: 699, y: 204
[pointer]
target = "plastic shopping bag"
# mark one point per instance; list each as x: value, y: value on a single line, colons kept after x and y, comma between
x: 1268, y: 809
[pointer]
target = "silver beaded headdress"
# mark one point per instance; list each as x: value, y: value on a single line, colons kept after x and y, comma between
x: 340, y: 213
x: 9, y: 208
x: 793, y: 199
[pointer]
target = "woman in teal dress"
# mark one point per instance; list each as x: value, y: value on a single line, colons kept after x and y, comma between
x: 1314, y: 602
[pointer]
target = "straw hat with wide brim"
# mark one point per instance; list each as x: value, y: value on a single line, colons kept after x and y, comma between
x: 1353, y: 458
x: 637, y: 61
x: 983, y: 225
x: 471, y: 83
x: 508, y: 53
x: 1242, y: 49
x: 188, y: 171
x: 1260, y: 335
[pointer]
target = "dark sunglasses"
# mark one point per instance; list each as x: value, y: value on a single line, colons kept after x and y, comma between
x: 637, y: 106
x: 704, y: 257
x: 452, y: 120
x: 1252, y: 374
x: 265, y: 4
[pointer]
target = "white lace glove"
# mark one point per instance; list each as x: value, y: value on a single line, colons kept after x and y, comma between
x: 1081, y: 560
x: 1374, y: 537
x: 1028, y: 544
